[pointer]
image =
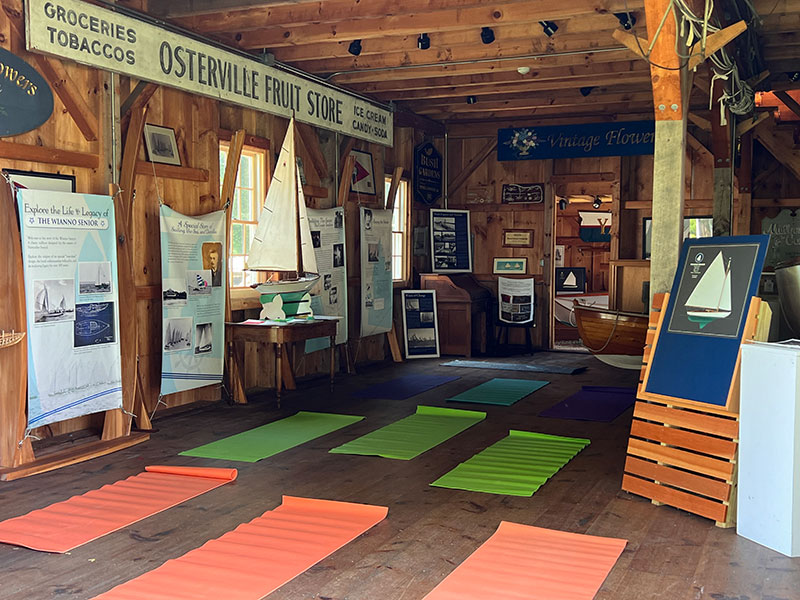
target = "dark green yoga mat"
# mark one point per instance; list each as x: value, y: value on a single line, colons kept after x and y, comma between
x: 503, y: 392
x: 517, y: 465
x: 275, y: 437
x: 413, y: 435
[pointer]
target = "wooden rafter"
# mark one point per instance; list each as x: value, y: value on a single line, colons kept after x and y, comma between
x: 139, y: 96
x: 780, y: 144
x: 790, y: 102
x: 84, y: 116
x: 473, y: 164
x: 310, y: 142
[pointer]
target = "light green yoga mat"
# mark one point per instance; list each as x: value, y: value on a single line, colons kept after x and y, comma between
x: 275, y: 437
x: 517, y: 465
x: 504, y: 392
x: 410, y: 437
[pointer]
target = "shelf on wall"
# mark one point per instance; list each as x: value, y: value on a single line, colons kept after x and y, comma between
x: 144, y: 167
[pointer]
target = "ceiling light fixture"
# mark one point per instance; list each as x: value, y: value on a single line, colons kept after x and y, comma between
x: 423, y: 41
x: 487, y: 35
x: 585, y: 91
x: 549, y: 27
x: 626, y: 19
x: 355, y: 47
x: 794, y: 76
x: 471, y: 99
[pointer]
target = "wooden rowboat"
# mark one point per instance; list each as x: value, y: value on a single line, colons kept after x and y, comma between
x: 615, y: 337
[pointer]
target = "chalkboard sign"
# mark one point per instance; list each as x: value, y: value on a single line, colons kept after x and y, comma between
x: 427, y: 182
x: 523, y: 193
x: 25, y: 98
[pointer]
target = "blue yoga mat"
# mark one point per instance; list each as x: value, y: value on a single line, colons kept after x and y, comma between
x: 593, y: 403
x: 404, y: 387
x: 479, y: 364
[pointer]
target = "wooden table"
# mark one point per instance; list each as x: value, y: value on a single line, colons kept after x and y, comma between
x: 239, y: 333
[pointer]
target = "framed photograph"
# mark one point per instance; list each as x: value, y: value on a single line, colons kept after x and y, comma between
x: 570, y: 280
x: 517, y: 238
x: 363, y: 180
x: 558, y: 257
x: 510, y: 266
x: 161, y: 145
x: 36, y: 180
x: 451, y: 241
x: 420, y: 324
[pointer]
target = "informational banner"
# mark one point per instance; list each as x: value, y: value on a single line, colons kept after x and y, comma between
x: 69, y: 249
x: 427, y: 182
x: 451, y: 241
x: 113, y: 41
x: 377, y: 288
x: 329, y: 296
x: 420, y: 324
x: 515, y: 300
x: 624, y: 138
x: 193, y: 280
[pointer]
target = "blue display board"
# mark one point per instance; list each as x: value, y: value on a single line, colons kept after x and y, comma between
x: 699, y: 340
x: 451, y: 243
x: 420, y: 324
x: 626, y: 138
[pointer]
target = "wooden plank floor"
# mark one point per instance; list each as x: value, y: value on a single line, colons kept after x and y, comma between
x: 671, y: 555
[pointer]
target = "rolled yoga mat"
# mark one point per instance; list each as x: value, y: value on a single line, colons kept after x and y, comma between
x: 593, y: 403
x: 403, y: 387
x: 517, y: 465
x: 273, y: 438
x: 63, y: 526
x: 257, y: 557
x: 413, y: 435
x: 479, y: 364
x: 503, y: 392
x: 520, y: 561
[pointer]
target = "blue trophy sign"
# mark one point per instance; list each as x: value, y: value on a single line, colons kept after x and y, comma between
x: 427, y: 174
x: 25, y: 98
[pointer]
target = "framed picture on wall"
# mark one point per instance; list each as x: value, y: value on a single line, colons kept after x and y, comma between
x: 510, y: 266
x: 161, y: 145
x: 570, y: 280
x: 558, y: 256
x: 36, y: 180
x: 363, y: 179
x: 420, y: 324
x: 517, y: 238
x: 451, y: 241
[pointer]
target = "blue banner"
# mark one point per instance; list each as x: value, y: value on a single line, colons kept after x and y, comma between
x: 627, y: 138
x: 427, y: 174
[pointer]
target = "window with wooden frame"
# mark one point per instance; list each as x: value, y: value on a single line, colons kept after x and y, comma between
x: 401, y: 216
x: 248, y: 197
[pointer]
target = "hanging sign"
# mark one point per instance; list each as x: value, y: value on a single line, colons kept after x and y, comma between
x: 427, y: 182
x: 515, y: 300
x: 112, y: 41
x: 625, y: 138
x: 193, y: 280
x: 784, y: 237
x: 69, y: 249
x: 26, y: 101
x: 451, y: 241
x: 377, y: 287
x: 420, y: 324
x: 329, y: 295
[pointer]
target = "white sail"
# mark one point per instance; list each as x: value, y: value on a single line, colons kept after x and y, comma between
x: 571, y: 280
x: 725, y: 298
x: 42, y: 300
x: 706, y: 293
x: 274, y: 245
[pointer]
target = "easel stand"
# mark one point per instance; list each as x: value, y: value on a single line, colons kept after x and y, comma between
x: 683, y: 453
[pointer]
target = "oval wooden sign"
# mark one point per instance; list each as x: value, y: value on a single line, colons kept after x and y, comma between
x: 26, y: 100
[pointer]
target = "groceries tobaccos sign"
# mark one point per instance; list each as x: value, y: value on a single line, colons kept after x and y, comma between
x: 115, y: 42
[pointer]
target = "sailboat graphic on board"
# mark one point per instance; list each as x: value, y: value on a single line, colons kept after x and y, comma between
x: 711, y: 298
x: 570, y: 281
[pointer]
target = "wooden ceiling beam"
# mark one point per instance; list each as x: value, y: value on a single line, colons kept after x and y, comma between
x: 469, y: 127
x: 483, y: 15
x: 554, y: 101
x: 183, y: 8
x: 483, y: 67
x: 598, y: 113
x: 545, y: 98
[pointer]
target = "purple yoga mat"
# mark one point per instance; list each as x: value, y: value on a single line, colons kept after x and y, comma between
x: 404, y: 387
x: 593, y: 403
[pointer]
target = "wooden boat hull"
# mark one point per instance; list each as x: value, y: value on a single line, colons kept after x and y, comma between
x: 608, y: 332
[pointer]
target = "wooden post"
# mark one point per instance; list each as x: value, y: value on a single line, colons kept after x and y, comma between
x: 722, y: 150
x: 669, y: 85
x: 744, y: 174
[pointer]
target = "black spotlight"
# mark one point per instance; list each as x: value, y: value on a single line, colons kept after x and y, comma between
x: 626, y: 19
x: 487, y: 35
x: 471, y: 99
x: 548, y: 27
x: 562, y: 203
x: 355, y: 47
x: 423, y: 41
x: 794, y: 76
x: 597, y: 203
x: 585, y: 91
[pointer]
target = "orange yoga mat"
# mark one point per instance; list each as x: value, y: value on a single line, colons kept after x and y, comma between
x: 257, y: 557
x: 66, y: 525
x: 520, y: 561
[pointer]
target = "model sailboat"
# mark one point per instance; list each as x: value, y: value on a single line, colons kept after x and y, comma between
x: 711, y: 298
x: 282, y: 241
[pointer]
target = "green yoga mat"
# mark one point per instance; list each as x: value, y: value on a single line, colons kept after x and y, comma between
x: 410, y: 437
x: 504, y: 392
x: 517, y: 465
x: 275, y: 437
